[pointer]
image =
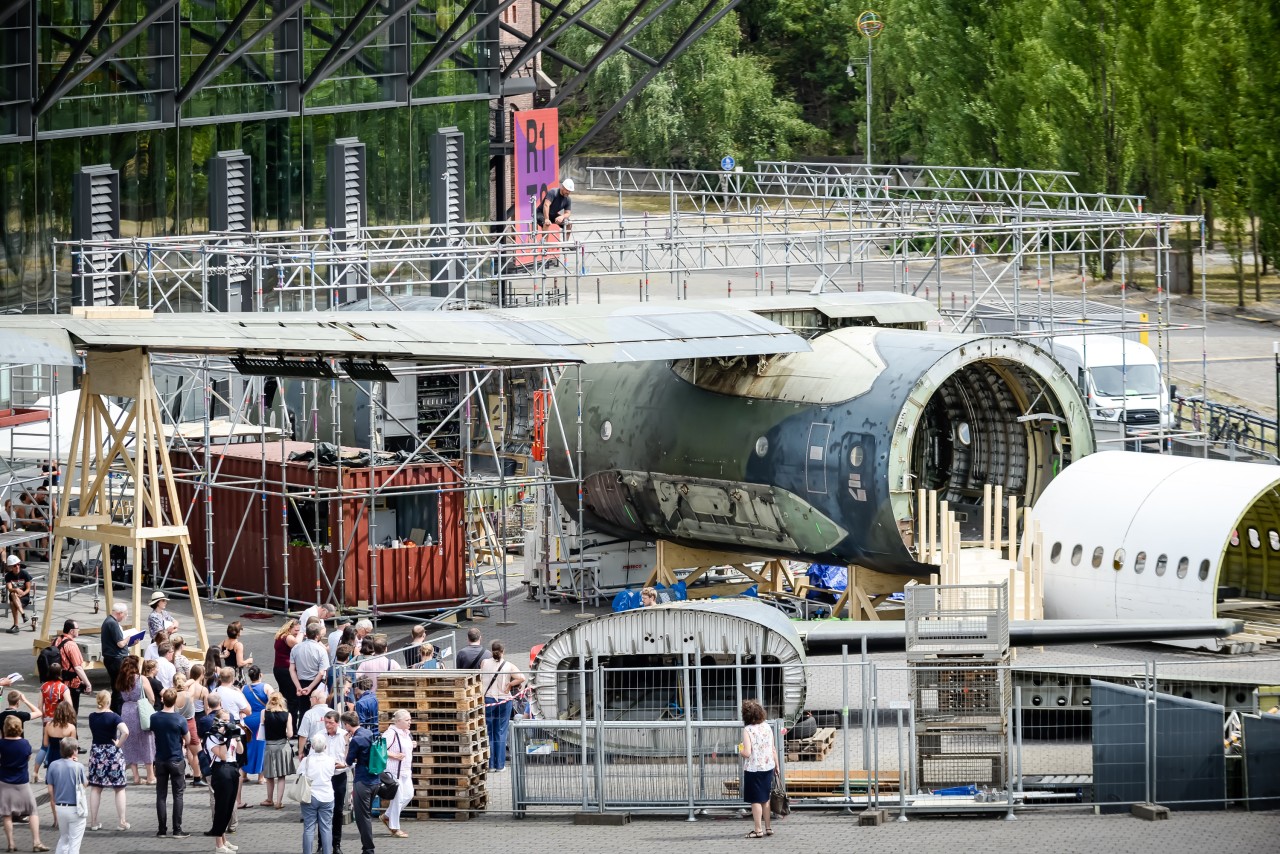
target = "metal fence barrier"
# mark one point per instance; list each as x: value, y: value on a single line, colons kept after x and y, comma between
x: 614, y: 765
x: 916, y: 738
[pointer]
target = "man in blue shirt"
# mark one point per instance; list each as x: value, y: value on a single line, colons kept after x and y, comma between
x: 62, y: 777
x: 171, y: 734
x: 366, y: 784
x: 366, y: 703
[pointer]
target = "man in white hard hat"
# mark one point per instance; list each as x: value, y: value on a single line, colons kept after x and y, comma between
x: 556, y: 207
x: 18, y: 582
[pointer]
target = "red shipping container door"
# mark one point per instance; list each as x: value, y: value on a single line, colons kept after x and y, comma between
x: 422, y: 502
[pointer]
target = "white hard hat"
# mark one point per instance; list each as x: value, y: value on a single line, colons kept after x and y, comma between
x: 567, y: 184
x: 12, y: 560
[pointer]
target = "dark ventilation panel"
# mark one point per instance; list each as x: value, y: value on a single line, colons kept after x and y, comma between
x: 346, y: 210
x: 448, y: 200
x: 230, y: 209
x: 95, y: 215
x: 448, y: 205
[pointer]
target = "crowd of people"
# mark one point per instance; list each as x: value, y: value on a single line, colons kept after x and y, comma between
x: 161, y: 719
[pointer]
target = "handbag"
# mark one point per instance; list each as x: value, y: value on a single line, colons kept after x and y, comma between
x: 388, y: 786
x: 297, y: 786
x: 82, y: 799
x: 779, y: 803
x: 145, y: 711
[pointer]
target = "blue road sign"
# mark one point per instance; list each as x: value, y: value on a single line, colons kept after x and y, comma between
x: 727, y: 163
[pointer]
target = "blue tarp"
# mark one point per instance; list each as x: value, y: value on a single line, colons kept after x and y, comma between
x: 628, y: 600
x: 826, y: 577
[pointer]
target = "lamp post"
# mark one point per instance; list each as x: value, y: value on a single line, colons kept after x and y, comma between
x: 870, y: 25
x: 1275, y: 349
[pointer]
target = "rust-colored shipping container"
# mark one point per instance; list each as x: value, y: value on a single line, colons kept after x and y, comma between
x: 421, y: 502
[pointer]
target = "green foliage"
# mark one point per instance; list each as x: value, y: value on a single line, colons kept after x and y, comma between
x: 715, y: 99
x: 1172, y: 99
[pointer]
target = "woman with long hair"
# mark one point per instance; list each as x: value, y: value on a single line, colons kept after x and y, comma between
x: 212, y: 664
x: 287, y: 638
x: 62, y: 726
x: 257, y: 693
x: 199, y: 693
x: 106, y: 760
x: 141, y: 748
x: 499, y: 676
x: 16, y: 798
x: 761, y: 755
x: 277, y: 763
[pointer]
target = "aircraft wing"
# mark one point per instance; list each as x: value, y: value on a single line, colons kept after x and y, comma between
x: 558, y: 334
x: 891, y: 636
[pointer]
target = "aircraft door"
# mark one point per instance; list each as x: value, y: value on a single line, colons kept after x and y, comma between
x: 815, y: 458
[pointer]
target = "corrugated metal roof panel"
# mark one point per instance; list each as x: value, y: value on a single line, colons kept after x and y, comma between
x: 534, y: 336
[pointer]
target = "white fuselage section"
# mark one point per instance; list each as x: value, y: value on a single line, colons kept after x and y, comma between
x: 1144, y: 536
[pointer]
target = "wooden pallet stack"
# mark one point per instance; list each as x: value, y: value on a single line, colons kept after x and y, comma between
x: 812, y: 749
x: 451, y: 754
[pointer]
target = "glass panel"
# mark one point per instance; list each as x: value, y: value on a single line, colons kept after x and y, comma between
x: 256, y: 81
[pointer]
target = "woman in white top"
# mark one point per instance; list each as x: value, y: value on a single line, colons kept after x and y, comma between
x: 319, y: 767
x: 400, y: 763
x: 761, y: 756
x: 498, y: 676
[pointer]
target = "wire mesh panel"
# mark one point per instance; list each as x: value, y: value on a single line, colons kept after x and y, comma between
x: 961, y: 716
x: 612, y: 766
x: 957, y: 619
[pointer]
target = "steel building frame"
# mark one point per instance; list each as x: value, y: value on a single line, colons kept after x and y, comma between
x: 256, y: 20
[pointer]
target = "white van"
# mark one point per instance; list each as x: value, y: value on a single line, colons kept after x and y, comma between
x: 1120, y: 379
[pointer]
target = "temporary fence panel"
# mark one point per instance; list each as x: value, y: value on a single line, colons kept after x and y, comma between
x: 1190, y: 760
x: 1261, y: 740
x: 601, y: 765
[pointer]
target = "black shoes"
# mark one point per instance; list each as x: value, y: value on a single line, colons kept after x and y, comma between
x: 180, y: 834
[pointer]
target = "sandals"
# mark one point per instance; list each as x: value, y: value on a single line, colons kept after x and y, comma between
x: 755, y: 834
x: 267, y: 803
x: 399, y: 834
x: 768, y: 831
x: 39, y: 846
x: 124, y: 825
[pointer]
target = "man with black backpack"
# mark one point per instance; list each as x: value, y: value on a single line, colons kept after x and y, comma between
x: 73, y: 672
x: 359, y: 748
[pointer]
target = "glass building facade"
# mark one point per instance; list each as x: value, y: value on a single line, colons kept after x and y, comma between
x: 154, y: 88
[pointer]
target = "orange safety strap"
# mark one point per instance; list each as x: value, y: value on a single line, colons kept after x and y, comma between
x: 539, y: 451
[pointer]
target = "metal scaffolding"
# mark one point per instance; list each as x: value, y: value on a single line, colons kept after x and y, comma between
x: 1024, y: 241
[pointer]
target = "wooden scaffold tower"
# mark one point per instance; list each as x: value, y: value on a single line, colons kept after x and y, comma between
x: 98, y: 445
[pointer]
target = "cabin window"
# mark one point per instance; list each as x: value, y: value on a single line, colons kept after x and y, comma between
x: 1097, y: 557
x: 1076, y: 554
x: 1055, y: 552
x: 1183, y: 565
x: 1204, y: 570
x: 1139, y: 563
x: 1117, y: 561
x: 1274, y: 539
x: 1254, y: 540
x: 1162, y: 563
